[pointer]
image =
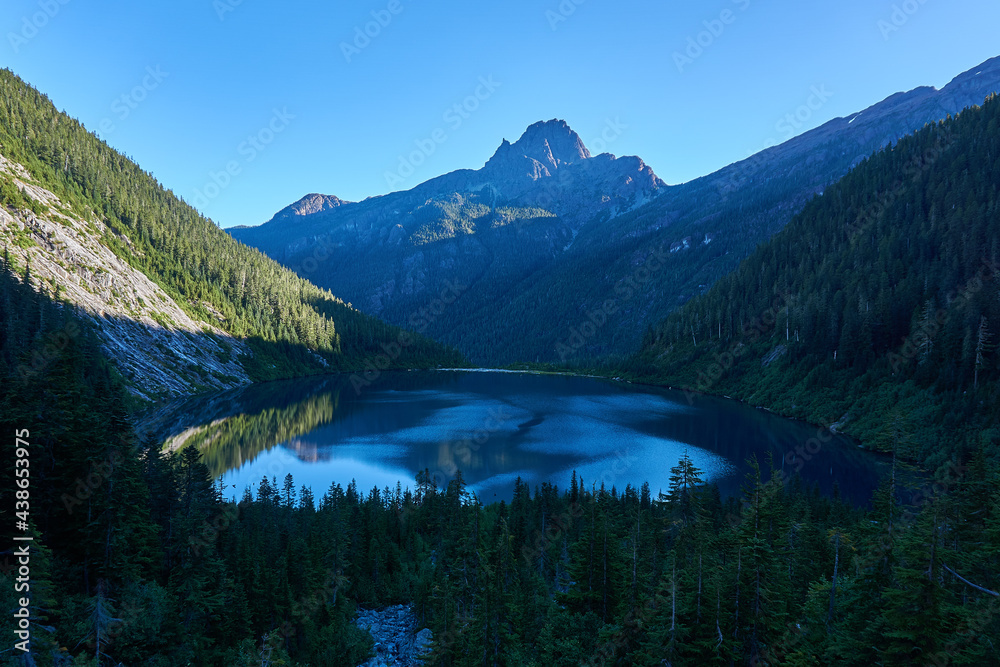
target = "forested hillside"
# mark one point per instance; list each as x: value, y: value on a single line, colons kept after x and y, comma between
x: 291, y: 325
x: 138, y: 560
x: 876, y: 309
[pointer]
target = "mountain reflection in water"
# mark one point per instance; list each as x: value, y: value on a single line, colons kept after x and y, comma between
x: 495, y: 427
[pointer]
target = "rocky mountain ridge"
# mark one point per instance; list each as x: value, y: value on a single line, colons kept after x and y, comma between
x: 516, y: 174
x: 542, y: 214
x: 487, y: 228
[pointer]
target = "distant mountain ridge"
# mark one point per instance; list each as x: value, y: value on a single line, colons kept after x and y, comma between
x: 311, y: 204
x: 487, y: 229
x: 546, y: 150
x: 584, y: 225
x: 879, y: 125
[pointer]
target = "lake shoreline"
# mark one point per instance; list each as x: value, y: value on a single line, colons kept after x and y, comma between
x: 540, y: 426
x: 151, y: 408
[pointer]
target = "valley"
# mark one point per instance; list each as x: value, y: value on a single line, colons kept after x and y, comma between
x: 747, y: 419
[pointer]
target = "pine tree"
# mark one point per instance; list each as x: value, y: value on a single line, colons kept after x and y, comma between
x: 982, y: 345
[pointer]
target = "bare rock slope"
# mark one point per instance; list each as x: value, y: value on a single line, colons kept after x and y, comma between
x: 152, y: 341
x: 397, y: 641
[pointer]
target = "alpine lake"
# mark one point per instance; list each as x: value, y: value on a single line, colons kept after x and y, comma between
x: 496, y: 426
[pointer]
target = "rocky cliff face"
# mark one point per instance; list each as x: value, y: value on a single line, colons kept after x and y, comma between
x: 540, y: 152
x: 152, y: 341
x: 398, y: 643
x: 549, y: 166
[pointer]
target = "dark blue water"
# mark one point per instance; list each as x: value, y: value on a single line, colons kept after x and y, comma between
x: 496, y: 427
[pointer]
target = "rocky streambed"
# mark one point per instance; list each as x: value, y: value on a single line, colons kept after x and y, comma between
x: 398, y: 642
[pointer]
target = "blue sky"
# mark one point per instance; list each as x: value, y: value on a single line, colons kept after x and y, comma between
x: 243, y: 106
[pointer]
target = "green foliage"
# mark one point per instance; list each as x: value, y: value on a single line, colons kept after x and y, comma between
x: 10, y: 195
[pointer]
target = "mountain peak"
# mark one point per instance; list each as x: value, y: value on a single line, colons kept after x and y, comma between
x: 552, y: 140
x: 543, y: 148
x: 308, y: 205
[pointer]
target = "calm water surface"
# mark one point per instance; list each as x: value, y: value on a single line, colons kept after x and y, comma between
x: 495, y: 427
